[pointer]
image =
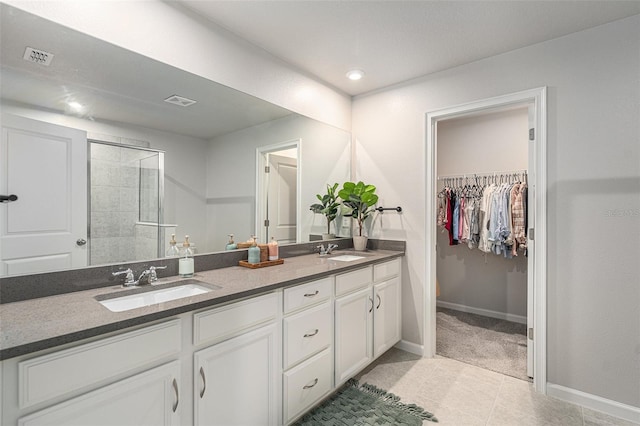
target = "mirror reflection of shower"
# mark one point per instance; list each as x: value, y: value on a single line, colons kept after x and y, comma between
x: 126, y: 194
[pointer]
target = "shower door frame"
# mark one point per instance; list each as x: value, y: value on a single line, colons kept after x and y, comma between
x: 161, y: 170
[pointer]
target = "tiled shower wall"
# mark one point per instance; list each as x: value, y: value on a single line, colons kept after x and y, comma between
x: 115, y: 180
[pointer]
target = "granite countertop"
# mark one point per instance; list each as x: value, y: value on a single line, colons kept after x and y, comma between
x: 32, y: 325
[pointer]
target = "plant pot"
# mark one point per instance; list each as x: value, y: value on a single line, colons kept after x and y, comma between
x: 328, y: 236
x: 359, y: 243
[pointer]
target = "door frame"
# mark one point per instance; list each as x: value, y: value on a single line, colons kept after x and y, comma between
x: 537, y: 194
x: 261, y: 182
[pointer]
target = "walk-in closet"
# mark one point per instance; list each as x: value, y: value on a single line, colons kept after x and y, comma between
x: 482, y: 260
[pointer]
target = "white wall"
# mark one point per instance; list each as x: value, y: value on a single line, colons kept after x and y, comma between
x: 593, y: 191
x: 169, y: 33
x: 185, y: 165
x: 231, y: 173
x: 480, y: 144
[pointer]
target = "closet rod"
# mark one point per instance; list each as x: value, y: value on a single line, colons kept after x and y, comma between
x: 472, y: 175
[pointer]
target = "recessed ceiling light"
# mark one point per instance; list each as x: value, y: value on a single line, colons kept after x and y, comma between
x: 355, y: 75
x: 75, y: 106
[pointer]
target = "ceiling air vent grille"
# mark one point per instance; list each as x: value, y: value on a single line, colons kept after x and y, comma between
x: 180, y: 101
x: 38, y: 56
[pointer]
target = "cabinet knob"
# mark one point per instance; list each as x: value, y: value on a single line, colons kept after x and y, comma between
x: 379, y: 301
x: 311, y: 294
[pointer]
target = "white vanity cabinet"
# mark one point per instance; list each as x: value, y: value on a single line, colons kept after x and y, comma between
x: 237, y: 381
x: 387, y: 314
x: 130, y: 378
x: 308, y: 346
x: 151, y: 398
x: 367, y: 316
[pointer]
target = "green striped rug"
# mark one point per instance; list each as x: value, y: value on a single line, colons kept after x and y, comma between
x: 365, y: 404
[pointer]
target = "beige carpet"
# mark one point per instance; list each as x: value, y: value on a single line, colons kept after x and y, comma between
x: 490, y: 343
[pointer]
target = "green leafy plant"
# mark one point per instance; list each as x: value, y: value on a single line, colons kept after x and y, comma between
x: 360, y: 198
x: 328, y: 205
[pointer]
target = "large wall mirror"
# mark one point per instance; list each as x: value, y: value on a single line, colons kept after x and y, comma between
x: 109, y: 155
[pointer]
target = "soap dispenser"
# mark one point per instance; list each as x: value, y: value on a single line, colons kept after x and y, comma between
x: 254, y: 252
x: 231, y: 245
x: 273, y: 249
x: 185, y: 264
x: 172, y: 251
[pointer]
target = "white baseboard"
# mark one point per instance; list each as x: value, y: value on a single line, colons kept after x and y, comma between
x: 410, y: 347
x: 485, y: 312
x: 597, y: 403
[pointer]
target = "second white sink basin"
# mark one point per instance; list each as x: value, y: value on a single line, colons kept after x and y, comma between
x: 138, y: 300
x: 347, y: 257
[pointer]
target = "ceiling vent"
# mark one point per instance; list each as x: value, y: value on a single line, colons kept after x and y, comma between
x: 180, y: 101
x: 38, y: 56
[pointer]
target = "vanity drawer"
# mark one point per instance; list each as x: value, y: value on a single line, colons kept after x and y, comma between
x: 385, y: 270
x: 84, y: 366
x: 353, y: 280
x: 306, y: 384
x: 306, y: 333
x: 307, y: 294
x: 220, y: 323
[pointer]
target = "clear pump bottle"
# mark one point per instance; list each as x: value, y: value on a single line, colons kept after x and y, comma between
x: 173, y: 250
x: 185, y: 264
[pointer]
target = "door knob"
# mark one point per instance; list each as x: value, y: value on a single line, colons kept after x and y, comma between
x: 8, y: 198
x: 81, y: 241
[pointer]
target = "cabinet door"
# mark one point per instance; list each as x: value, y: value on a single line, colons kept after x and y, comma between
x: 353, y: 333
x: 151, y: 398
x: 236, y: 381
x: 386, y: 316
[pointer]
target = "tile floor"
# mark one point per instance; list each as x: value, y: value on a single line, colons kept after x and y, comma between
x: 465, y: 395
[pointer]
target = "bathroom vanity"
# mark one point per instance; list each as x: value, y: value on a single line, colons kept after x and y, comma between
x: 261, y: 347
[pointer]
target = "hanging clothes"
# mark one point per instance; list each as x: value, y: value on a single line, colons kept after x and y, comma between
x: 491, y: 217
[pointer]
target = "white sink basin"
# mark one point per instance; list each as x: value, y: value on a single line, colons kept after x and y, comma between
x: 139, y: 300
x: 347, y: 257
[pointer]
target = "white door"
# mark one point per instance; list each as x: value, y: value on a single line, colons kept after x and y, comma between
x: 236, y: 381
x: 151, y: 398
x: 45, y: 165
x: 353, y: 334
x: 386, y: 316
x: 281, y: 198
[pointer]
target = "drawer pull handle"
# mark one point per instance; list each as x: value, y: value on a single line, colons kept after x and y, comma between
x: 204, y: 382
x: 312, y: 334
x: 371, y: 300
x: 315, y: 382
x: 379, y: 301
x: 175, y: 389
x: 311, y: 294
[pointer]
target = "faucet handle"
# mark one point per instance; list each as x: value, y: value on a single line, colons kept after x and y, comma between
x: 153, y: 275
x: 129, y: 278
x: 321, y: 249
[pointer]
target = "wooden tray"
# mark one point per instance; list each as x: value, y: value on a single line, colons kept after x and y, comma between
x: 261, y: 264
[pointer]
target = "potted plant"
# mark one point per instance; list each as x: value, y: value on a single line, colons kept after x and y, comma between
x: 360, y: 198
x: 328, y: 206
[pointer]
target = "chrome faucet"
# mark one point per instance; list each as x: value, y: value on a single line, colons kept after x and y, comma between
x: 149, y: 276
x: 129, y: 279
x: 330, y: 248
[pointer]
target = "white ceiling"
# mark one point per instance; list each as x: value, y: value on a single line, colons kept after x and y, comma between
x: 394, y: 41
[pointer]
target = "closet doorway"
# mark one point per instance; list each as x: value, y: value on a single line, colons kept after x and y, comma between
x: 479, y: 281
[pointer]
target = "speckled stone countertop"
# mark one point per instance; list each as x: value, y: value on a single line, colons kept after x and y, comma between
x: 32, y: 325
